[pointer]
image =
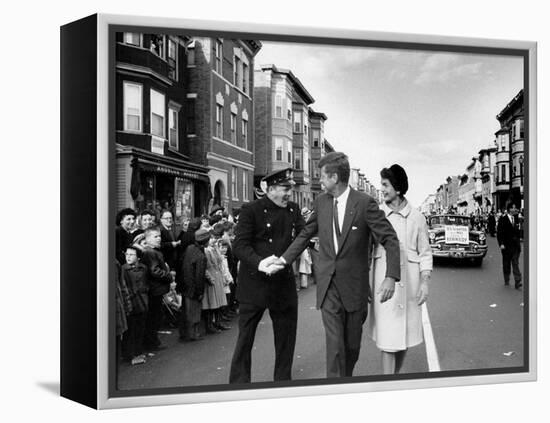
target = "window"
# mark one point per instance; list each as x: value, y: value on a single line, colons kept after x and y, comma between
x: 503, y: 173
x: 245, y: 184
x: 219, y: 56
x: 157, y: 45
x: 297, y: 122
x: 289, y: 152
x: 278, y: 106
x: 132, y: 107
x: 173, y: 127
x: 237, y: 71
x: 233, y: 128
x: 172, y: 60
x: 219, y: 121
x: 306, y: 161
x: 278, y: 149
x: 316, y: 172
x: 157, y: 113
x: 298, y: 158
x: 316, y: 136
x: 246, y: 78
x: 132, y: 38
x: 191, y: 57
x: 234, y: 182
x: 244, y: 134
x: 190, y: 115
x: 521, y: 129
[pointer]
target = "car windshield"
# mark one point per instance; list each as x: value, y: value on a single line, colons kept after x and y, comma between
x: 449, y: 220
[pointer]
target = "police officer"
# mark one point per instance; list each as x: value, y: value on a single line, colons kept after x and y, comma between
x: 266, y: 228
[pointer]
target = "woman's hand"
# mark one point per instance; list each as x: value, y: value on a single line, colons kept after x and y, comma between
x: 422, y: 294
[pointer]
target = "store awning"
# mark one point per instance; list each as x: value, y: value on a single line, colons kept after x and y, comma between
x: 177, y: 171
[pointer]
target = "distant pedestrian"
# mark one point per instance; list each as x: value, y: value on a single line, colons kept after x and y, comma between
x: 491, y: 223
x: 508, y: 237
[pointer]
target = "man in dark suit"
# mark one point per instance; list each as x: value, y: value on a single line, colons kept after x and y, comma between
x: 266, y: 228
x: 347, y: 223
x: 508, y: 237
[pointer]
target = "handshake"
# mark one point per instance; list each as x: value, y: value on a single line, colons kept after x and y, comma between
x: 271, y: 265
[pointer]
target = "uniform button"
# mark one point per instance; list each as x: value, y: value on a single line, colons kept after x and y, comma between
x: 270, y: 240
x: 291, y: 210
x: 265, y: 210
x: 269, y: 225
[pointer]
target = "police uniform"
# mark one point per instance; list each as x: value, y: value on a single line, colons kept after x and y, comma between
x: 265, y: 229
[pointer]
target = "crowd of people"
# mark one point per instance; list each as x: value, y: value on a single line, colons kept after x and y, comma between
x: 186, y: 280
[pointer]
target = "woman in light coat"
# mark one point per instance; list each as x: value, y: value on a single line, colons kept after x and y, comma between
x: 396, y: 324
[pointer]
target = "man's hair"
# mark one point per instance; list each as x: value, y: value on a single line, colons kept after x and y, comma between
x: 165, y: 211
x: 336, y: 162
x: 147, y: 212
x: 155, y: 229
x: 509, y: 205
x: 124, y: 212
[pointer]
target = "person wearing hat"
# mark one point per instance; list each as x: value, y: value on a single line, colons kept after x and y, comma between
x: 192, y: 285
x: 266, y: 227
x: 346, y: 221
x: 396, y: 324
x: 216, y: 210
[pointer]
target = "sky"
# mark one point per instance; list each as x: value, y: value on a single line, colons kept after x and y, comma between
x: 430, y: 112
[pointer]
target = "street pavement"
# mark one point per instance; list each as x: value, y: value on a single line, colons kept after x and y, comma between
x: 477, y: 323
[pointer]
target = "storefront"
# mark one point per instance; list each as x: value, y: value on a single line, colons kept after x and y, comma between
x: 148, y: 182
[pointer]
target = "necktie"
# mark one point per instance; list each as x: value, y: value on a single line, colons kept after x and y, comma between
x: 336, y: 221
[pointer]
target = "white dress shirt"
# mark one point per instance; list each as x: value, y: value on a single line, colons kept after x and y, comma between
x: 342, y: 200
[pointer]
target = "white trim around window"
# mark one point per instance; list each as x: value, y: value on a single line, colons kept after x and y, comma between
x: 158, y: 113
x: 173, y: 126
x: 133, y: 39
x: 132, y: 107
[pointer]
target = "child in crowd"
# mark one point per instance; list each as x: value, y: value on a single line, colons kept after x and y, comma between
x: 134, y: 276
x: 160, y: 277
x: 223, y: 246
x: 214, y: 296
x: 192, y: 285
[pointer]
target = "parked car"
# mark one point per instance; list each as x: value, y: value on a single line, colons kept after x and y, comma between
x: 452, y: 236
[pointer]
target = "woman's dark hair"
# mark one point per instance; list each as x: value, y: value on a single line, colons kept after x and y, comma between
x: 194, y: 225
x: 214, y: 219
x: 336, y: 162
x: 397, y: 177
x: 123, y: 213
x: 147, y: 212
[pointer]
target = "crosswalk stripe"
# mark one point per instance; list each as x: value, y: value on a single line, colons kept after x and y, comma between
x: 431, y: 350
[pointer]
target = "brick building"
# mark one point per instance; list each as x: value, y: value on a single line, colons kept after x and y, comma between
x: 219, y: 101
x: 510, y: 144
x: 282, y: 128
x: 155, y: 166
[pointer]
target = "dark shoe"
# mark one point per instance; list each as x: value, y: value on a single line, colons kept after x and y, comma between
x: 221, y: 326
x: 518, y: 285
x: 506, y: 283
x: 212, y: 329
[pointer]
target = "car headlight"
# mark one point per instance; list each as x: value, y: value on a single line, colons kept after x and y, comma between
x: 481, y: 237
x: 432, y: 235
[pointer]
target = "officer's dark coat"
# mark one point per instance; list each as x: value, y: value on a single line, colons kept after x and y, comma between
x: 265, y: 229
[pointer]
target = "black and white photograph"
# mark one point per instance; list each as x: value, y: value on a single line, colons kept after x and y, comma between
x: 323, y: 212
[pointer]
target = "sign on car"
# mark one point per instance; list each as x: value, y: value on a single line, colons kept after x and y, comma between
x: 457, y: 235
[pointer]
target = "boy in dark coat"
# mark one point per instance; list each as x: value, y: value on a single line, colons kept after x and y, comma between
x: 192, y: 285
x: 134, y: 275
x: 159, y: 276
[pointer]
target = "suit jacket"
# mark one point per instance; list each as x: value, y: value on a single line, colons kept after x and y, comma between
x: 265, y: 229
x: 169, y: 252
x: 508, y: 234
x: 364, y: 223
